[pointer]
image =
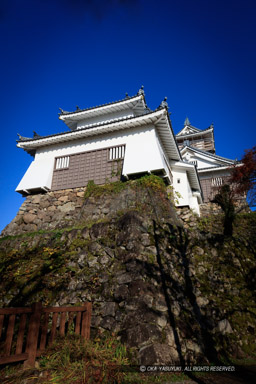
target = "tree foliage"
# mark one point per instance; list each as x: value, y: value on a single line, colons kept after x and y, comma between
x: 242, y: 183
x: 225, y: 199
x: 243, y: 178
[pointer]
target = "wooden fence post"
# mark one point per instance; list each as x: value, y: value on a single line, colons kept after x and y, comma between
x: 86, y: 321
x: 9, y: 335
x: 34, y: 346
x: 33, y: 332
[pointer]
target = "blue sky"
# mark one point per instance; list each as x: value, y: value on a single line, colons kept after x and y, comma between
x: 62, y: 53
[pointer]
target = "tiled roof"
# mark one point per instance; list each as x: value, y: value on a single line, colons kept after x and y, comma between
x: 96, y: 125
x: 194, y: 133
x: 201, y: 170
x: 78, y: 110
x: 208, y: 154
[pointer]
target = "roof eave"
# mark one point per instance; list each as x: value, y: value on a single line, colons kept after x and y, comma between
x: 101, y: 109
x: 218, y: 167
x: 156, y: 117
x: 208, y: 154
x: 84, y: 132
x: 170, y: 124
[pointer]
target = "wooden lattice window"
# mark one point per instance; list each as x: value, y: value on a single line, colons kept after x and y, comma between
x: 217, y: 181
x: 62, y: 162
x: 116, y: 153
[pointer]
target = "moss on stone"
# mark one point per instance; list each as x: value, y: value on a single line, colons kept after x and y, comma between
x: 94, y: 190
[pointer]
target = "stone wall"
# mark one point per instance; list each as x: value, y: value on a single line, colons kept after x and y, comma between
x: 63, y: 208
x: 208, y: 209
x: 169, y: 292
x: 67, y: 207
x: 49, y: 210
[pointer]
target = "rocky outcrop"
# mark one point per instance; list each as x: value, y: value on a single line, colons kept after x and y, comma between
x: 173, y: 293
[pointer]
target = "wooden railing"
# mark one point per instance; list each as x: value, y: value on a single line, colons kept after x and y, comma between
x: 25, y: 332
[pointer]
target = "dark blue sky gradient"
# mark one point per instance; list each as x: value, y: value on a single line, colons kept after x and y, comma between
x: 62, y: 53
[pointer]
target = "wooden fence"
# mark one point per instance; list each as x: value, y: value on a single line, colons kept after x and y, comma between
x: 25, y: 332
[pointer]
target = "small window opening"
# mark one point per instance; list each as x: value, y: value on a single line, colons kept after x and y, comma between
x: 62, y: 162
x: 217, y: 181
x: 116, y: 153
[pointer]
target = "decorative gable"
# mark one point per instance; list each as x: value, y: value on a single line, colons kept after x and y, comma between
x: 197, y: 138
x: 204, y: 160
x: 188, y: 129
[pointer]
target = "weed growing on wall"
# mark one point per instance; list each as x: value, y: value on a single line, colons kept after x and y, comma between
x: 93, y: 190
x: 174, y: 196
x: 148, y: 181
x: 153, y: 182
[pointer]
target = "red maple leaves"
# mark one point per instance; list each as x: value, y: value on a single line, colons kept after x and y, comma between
x: 243, y: 177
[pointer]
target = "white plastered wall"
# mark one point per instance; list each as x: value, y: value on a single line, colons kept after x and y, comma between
x: 194, y: 204
x: 164, y: 159
x: 37, y: 176
x: 182, y: 186
x: 142, y: 154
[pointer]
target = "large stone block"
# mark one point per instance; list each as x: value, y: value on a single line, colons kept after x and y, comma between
x: 70, y: 206
x: 29, y: 218
x: 141, y: 334
x: 158, y: 353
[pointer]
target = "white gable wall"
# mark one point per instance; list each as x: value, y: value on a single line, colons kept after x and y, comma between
x: 187, y: 130
x: 203, y: 161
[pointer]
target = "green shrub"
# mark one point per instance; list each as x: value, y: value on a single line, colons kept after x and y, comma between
x: 151, y: 181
